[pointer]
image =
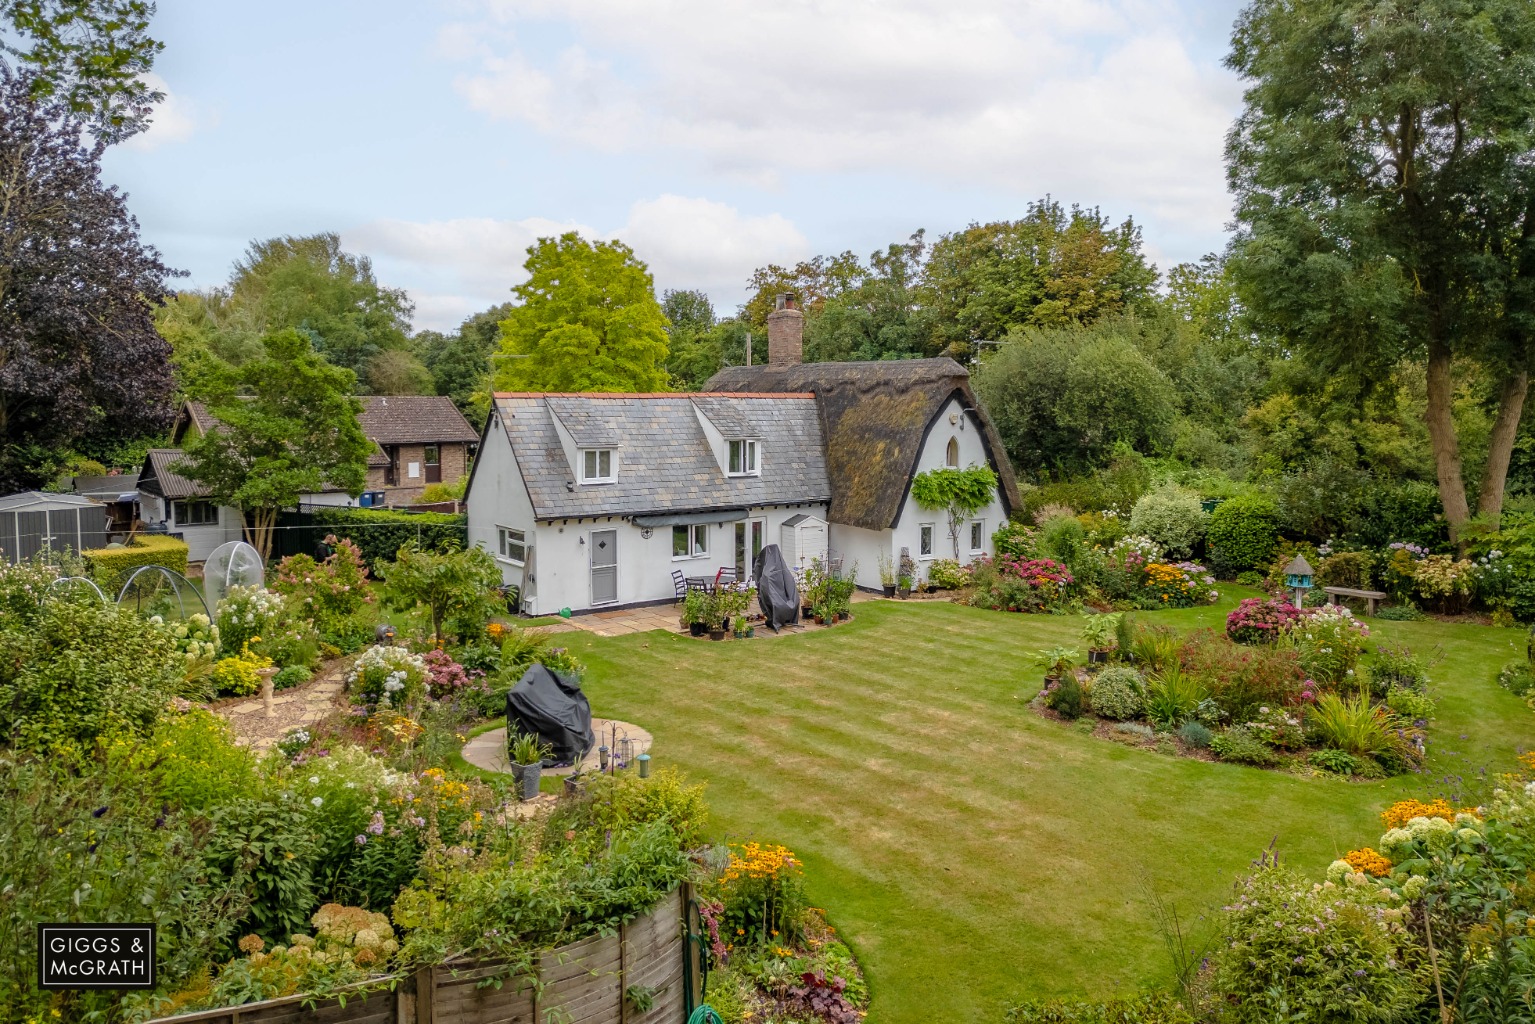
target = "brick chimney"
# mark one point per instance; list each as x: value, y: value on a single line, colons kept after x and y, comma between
x: 786, y: 332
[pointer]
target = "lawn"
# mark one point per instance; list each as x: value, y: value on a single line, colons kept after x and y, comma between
x: 973, y: 853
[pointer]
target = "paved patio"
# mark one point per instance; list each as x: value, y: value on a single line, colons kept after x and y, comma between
x: 667, y: 618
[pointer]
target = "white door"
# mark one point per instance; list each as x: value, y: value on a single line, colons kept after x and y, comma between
x: 750, y: 538
x: 604, y: 546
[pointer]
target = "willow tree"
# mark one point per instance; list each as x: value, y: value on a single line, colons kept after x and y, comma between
x: 1385, y: 208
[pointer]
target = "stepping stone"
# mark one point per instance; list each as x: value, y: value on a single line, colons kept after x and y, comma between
x: 245, y: 708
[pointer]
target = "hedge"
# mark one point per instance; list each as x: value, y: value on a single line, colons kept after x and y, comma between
x: 380, y: 533
x: 111, y: 566
x: 1245, y: 530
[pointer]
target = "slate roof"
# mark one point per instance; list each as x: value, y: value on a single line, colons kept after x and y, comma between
x: 385, y: 419
x: 157, y: 476
x: 665, y: 463
x: 875, y: 417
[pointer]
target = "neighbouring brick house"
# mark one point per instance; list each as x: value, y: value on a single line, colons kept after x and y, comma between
x: 418, y: 440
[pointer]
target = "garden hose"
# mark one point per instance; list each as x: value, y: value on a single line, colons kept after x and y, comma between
x: 704, y: 1013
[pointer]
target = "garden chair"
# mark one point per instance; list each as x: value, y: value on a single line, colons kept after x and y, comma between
x: 680, y: 582
x: 725, y: 577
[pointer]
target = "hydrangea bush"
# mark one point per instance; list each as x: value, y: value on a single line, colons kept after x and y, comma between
x: 1021, y: 585
x: 1260, y: 621
x: 387, y: 676
x: 249, y: 612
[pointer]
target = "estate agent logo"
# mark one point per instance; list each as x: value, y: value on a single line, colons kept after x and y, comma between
x: 95, y: 956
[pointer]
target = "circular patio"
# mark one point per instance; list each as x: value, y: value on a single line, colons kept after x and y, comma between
x: 488, y: 749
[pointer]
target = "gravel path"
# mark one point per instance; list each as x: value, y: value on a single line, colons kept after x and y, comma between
x: 291, y: 708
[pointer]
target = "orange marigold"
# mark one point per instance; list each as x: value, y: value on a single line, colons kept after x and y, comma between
x: 1368, y: 861
x: 1403, y: 811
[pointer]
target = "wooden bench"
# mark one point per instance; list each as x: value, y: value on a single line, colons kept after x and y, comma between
x: 1370, y: 597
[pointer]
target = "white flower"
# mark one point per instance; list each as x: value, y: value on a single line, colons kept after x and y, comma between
x: 317, y: 801
x: 314, y: 780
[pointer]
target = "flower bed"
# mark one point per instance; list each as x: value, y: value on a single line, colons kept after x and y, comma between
x: 1007, y: 583
x: 1294, y: 703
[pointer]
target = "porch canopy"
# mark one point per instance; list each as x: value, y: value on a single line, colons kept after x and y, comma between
x: 723, y: 515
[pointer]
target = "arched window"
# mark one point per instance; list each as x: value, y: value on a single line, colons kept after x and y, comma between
x: 951, y: 457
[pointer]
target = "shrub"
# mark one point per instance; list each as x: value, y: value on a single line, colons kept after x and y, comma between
x: 1035, y: 585
x: 1339, y: 762
x: 444, y: 676
x: 1242, y: 679
x: 1240, y: 746
x: 1015, y: 540
x: 249, y: 612
x: 1260, y: 621
x: 1444, y: 582
x: 327, y: 592
x: 80, y: 669
x: 1298, y: 951
x: 1123, y: 573
x: 1158, y: 1008
x: 459, y: 589
x: 1399, y: 613
x: 1517, y: 677
x: 1345, y: 569
x: 388, y: 676
x: 191, y: 760
x: 948, y: 574
x: 1173, y: 696
x: 236, y: 675
x: 1411, y: 705
x: 1066, y: 698
x: 1352, y: 724
x: 1063, y: 539
x: 1172, y: 517
x: 1195, y: 735
x: 1396, y: 668
x: 110, y: 567
x: 1244, y: 529
x: 293, y: 675
x: 1330, y: 642
x: 1250, y: 578
x: 197, y: 640
x: 1118, y: 692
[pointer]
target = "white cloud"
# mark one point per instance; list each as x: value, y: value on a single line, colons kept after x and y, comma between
x: 174, y: 119
x: 459, y: 267
x: 1094, y: 97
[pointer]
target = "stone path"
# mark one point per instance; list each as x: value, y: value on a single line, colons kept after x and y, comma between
x: 291, y: 708
x: 488, y: 749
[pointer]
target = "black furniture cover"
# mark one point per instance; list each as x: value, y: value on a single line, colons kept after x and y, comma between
x: 553, y: 708
x: 777, y: 589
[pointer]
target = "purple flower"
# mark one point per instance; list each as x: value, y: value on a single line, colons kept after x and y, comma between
x: 376, y: 826
x: 360, y: 840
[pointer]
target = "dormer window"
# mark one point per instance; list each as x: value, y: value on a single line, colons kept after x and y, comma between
x: 744, y: 459
x: 597, y: 466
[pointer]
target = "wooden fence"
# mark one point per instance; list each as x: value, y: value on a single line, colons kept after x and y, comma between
x: 586, y: 982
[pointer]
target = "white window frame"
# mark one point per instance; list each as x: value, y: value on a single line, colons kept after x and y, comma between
x: 926, y: 538
x: 951, y: 454
x: 506, y: 536
x: 612, y: 473
x: 977, y: 531
x: 751, y: 457
x: 178, y: 506
x: 696, y: 533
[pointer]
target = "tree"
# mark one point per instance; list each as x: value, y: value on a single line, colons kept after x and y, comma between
x: 394, y: 372
x: 92, y: 55
x: 460, y: 362
x: 287, y: 426
x: 78, y: 348
x: 453, y: 586
x: 1383, y: 173
x: 311, y: 285
x: 588, y: 321
x: 958, y: 493
x: 1049, y: 269
x: 207, y: 333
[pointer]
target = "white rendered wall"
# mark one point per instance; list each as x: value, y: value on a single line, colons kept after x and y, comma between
x: 499, y: 498
x: 856, y: 544
x: 972, y: 452
x: 645, y: 565
x: 200, y: 540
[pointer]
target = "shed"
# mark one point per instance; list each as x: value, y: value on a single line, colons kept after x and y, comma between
x: 802, y: 538
x: 33, y: 521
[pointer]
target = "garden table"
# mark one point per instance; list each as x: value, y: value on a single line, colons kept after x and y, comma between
x: 704, y: 583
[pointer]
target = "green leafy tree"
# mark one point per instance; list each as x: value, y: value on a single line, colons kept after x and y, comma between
x: 287, y: 426
x: 588, y: 321
x: 1383, y: 173
x: 457, y: 587
x: 958, y: 493
x: 91, y: 54
x: 396, y: 372
x: 460, y: 362
x: 311, y: 285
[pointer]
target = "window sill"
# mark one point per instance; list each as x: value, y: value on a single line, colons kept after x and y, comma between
x: 594, y: 483
x: 689, y: 558
x: 511, y: 561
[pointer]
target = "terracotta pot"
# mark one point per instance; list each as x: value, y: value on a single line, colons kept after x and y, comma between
x: 820, y: 620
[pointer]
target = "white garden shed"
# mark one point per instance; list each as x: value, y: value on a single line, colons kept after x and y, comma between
x: 803, y: 537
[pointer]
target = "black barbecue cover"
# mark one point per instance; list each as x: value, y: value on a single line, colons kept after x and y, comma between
x: 777, y: 589
x: 553, y: 708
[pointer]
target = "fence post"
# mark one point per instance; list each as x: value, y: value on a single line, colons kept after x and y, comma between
x: 426, y: 995
x: 623, y: 973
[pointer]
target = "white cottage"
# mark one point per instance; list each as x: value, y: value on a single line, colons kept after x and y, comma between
x: 602, y: 500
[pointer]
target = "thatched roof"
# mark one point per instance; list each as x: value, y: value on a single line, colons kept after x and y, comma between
x: 875, y: 417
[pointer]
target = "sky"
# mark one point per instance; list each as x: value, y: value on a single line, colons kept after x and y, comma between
x: 442, y: 137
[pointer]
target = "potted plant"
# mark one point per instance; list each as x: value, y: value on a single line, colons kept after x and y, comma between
x: 1100, y: 634
x: 526, y: 753
x: 1057, y: 661
x: 714, y: 616
x: 575, y: 782
x: 887, y: 575
x: 694, y: 608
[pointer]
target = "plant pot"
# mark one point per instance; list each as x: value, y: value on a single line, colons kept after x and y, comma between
x: 820, y: 620
x: 806, y: 611
x: 903, y: 592
x: 751, y: 631
x: 844, y: 616
x: 716, y: 634
x: 697, y: 629
x: 890, y: 590
x: 1096, y: 657
x: 574, y: 785
x: 527, y: 776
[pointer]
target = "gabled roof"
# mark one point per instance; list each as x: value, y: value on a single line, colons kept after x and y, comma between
x: 665, y: 462
x: 158, y: 477
x: 44, y: 501
x: 876, y: 416
x: 385, y: 419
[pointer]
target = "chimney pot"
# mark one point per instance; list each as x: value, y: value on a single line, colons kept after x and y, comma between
x: 786, y: 332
